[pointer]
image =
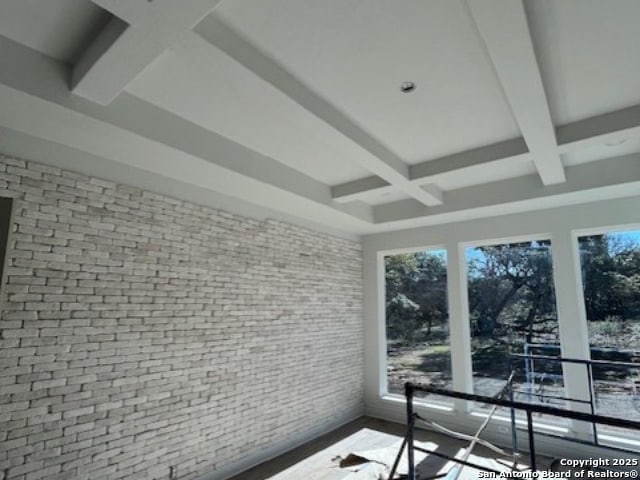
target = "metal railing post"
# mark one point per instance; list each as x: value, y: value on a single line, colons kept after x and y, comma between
x: 408, y: 390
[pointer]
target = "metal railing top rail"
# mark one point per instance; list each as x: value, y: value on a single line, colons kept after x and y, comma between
x: 410, y: 388
x: 580, y: 361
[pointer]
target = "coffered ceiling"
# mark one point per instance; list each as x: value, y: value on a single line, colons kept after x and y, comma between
x: 296, y: 106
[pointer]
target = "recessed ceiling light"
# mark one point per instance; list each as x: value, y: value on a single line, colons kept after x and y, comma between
x: 407, y: 87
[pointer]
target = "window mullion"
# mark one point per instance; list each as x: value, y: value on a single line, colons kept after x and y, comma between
x: 459, y: 324
x: 572, y: 324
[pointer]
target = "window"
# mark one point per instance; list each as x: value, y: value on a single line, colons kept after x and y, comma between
x: 512, y: 313
x: 610, y: 266
x: 417, y: 320
x: 5, y: 222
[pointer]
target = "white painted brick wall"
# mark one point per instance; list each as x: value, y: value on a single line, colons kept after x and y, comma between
x: 140, y: 332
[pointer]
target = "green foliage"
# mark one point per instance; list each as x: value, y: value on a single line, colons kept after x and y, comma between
x: 611, y: 277
x: 511, y: 291
x: 416, y: 295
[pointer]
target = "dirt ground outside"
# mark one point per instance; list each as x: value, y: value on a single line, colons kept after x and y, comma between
x: 617, y: 390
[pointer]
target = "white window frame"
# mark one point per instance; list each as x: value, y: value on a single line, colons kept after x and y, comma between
x: 382, y: 325
x: 623, y: 439
x: 562, y: 225
x: 463, y: 246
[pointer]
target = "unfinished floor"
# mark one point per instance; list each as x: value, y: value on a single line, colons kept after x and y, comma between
x: 319, y: 459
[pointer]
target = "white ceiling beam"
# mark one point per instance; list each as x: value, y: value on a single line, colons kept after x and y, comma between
x: 433, y: 171
x: 461, y: 163
x: 616, y: 178
x: 503, y: 27
x: 113, y: 60
x: 430, y: 195
x: 140, y: 31
x: 611, y: 127
x: 21, y: 145
x: 357, y: 189
x: 34, y: 100
x: 381, y: 161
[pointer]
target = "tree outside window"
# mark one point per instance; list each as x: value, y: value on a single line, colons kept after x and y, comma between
x: 417, y: 320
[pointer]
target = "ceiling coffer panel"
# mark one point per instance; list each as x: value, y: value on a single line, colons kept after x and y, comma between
x: 359, y: 115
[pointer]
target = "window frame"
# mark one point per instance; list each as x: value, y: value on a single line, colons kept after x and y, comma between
x: 6, y: 245
x: 383, y: 383
x: 463, y: 247
x: 560, y: 224
x: 616, y: 438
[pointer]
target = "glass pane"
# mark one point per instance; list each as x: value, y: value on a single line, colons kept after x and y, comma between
x: 417, y: 320
x: 512, y: 311
x: 611, y: 280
